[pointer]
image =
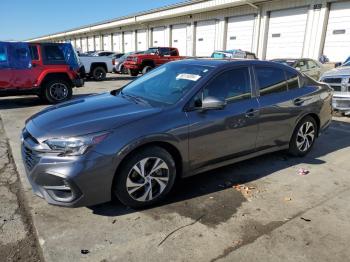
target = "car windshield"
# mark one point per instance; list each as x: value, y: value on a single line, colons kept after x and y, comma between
x: 165, y: 85
x: 347, y: 62
x: 151, y: 51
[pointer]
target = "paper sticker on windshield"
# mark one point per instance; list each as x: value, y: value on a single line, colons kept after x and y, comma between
x: 190, y: 77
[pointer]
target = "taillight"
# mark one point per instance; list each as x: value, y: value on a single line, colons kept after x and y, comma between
x: 113, y: 61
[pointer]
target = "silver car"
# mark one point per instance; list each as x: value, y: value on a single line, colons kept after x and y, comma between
x: 309, y: 67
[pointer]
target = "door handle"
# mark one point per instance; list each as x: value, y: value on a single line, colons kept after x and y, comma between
x: 252, y: 113
x: 299, y: 101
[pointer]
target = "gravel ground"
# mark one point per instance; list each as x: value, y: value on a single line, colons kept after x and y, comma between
x: 17, y: 238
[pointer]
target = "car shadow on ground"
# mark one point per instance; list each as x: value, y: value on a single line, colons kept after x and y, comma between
x: 13, y: 102
x: 207, y: 193
x: 113, y: 78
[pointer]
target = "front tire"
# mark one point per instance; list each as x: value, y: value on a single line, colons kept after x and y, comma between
x: 56, y: 91
x: 146, y: 69
x: 145, y: 178
x: 133, y: 72
x: 304, y: 137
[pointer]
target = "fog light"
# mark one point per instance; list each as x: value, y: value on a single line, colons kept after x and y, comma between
x: 63, y: 193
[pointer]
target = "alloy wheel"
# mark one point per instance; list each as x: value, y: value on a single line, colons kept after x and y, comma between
x: 58, y: 91
x: 147, y: 179
x: 305, y: 136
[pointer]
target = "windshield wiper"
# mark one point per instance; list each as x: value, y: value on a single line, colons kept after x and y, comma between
x: 137, y: 99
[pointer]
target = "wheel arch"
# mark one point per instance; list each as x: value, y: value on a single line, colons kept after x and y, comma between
x: 148, y: 62
x: 98, y: 64
x: 51, y: 76
x: 169, y: 147
x: 314, y: 116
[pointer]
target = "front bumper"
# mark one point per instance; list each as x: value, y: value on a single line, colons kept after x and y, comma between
x: 132, y: 66
x: 68, y: 181
x: 341, y: 102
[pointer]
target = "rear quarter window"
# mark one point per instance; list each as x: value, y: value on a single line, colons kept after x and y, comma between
x: 293, y: 80
x: 53, y: 55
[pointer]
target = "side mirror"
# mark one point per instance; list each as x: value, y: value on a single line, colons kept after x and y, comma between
x: 211, y: 103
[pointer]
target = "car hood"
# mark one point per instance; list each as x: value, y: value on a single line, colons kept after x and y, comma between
x: 87, y: 115
x: 339, y: 71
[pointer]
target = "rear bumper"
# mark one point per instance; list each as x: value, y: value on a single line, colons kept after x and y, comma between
x: 78, y: 82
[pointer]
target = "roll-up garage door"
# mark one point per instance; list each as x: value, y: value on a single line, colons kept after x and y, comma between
x: 205, y: 38
x: 98, y: 43
x: 78, y: 44
x: 179, y: 38
x: 240, y: 33
x: 107, y: 43
x: 286, y: 33
x: 158, y: 36
x: 141, y: 43
x: 91, y: 46
x: 117, y: 42
x: 84, y: 45
x: 337, y: 44
x: 128, y: 42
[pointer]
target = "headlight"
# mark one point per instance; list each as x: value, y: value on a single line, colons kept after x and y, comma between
x: 135, y: 58
x: 75, y: 146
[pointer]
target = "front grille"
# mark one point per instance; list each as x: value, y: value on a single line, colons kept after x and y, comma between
x: 336, y: 88
x: 30, y: 158
x: 332, y: 80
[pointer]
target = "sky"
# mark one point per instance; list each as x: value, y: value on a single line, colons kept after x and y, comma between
x: 25, y: 19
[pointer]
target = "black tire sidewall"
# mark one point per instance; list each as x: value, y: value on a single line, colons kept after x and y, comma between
x: 94, y: 73
x: 293, y: 148
x: 146, y: 69
x: 133, y: 72
x: 119, y: 188
x: 46, y: 92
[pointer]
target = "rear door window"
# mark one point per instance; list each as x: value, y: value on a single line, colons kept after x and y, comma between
x: 270, y: 80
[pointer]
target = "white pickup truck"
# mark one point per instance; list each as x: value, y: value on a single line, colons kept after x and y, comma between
x: 97, y: 66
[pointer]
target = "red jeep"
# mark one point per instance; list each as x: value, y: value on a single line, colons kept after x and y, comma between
x: 48, y: 70
x: 153, y: 57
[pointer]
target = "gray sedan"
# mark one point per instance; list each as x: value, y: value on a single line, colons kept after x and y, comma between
x: 310, y: 67
x: 181, y: 119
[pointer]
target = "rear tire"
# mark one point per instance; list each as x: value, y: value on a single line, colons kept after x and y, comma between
x: 304, y: 137
x: 56, y: 91
x: 138, y: 190
x: 99, y: 73
x: 133, y: 72
x: 146, y: 69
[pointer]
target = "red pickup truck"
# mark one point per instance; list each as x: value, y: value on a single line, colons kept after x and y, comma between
x: 153, y: 57
x: 48, y: 70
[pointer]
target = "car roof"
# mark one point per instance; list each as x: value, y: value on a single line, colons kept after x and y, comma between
x: 227, y: 62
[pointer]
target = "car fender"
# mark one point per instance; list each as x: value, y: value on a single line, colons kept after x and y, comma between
x: 47, y: 72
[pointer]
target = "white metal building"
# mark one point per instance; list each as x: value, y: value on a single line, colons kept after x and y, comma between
x: 270, y: 28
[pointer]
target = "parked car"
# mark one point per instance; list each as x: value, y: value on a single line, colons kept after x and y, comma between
x: 234, y: 53
x: 307, y: 66
x: 339, y: 79
x: 88, y: 53
x: 46, y: 69
x: 103, y: 53
x: 116, y: 55
x: 119, y: 67
x: 180, y: 119
x: 153, y: 57
x: 97, y: 67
